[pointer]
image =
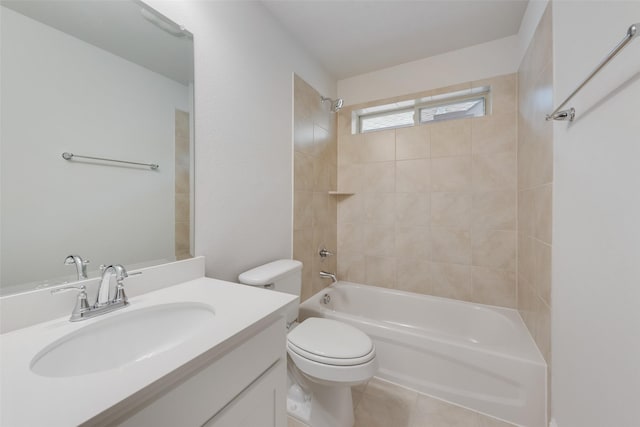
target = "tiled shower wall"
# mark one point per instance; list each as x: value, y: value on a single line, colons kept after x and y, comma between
x: 535, y: 185
x: 434, y: 206
x: 182, y: 187
x: 315, y: 211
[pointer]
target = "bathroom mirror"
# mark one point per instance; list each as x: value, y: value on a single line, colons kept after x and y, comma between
x: 102, y: 79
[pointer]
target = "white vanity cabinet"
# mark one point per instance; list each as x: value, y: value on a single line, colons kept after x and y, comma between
x: 242, y: 386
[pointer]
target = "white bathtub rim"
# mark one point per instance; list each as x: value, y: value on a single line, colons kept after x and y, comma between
x: 510, y: 313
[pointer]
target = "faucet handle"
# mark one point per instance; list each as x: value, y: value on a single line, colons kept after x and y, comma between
x: 325, y: 253
x: 121, y: 296
x: 82, y: 305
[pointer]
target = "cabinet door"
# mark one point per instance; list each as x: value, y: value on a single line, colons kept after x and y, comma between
x: 262, y: 404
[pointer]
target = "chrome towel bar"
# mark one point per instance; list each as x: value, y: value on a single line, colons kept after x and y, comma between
x: 569, y: 114
x: 69, y: 156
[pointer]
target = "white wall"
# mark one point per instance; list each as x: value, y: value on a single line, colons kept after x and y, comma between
x: 477, y: 62
x: 62, y: 94
x: 596, y: 236
x: 244, y: 63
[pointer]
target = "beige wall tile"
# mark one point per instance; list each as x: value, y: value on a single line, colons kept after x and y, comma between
x: 451, y: 281
x: 412, y: 143
x: 494, y: 248
x: 182, y: 208
x: 303, y: 246
x: 351, y: 237
x: 542, y: 213
x: 412, y: 176
x: 525, y: 212
x: 447, y: 179
x: 303, y: 172
x: 451, y: 210
x: 380, y: 271
x: 315, y: 172
x: 351, y: 178
x: 527, y: 306
x: 525, y: 259
x: 344, y: 123
x: 494, y: 287
x: 351, y: 208
x: 321, y: 139
x: 413, y: 275
x: 494, y: 172
x: 452, y: 246
x: 494, y: 210
x: 380, y: 207
x: 320, y: 210
x: 350, y: 148
x: 495, y: 133
x: 542, y: 270
x: 412, y: 208
x: 542, y: 333
x: 379, y: 239
x: 451, y: 174
x: 451, y: 138
x: 525, y: 162
x: 503, y: 93
x: 182, y: 237
x: 302, y: 210
x: 351, y: 267
x: 412, y: 242
x: 324, y: 237
x: 378, y: 146
x: 535, y: 176
x: 182, y: 184
x: 320, y: 173
x: 380, y: 177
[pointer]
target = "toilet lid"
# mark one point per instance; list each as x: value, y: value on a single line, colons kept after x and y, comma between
x: 329, y: 339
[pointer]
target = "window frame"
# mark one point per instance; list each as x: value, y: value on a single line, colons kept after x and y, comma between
x: 417, y: 105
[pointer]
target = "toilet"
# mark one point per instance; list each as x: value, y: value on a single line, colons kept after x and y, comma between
x: 325, y: 357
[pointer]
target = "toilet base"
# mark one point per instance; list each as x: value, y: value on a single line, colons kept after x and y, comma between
x: 318, y: 404
x: 327, y: 406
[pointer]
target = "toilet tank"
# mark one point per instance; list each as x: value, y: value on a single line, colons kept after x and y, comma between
x: 284, y: 275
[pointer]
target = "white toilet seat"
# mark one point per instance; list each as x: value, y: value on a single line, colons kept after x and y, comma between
x: 328, y: 350
x: 331, y: 360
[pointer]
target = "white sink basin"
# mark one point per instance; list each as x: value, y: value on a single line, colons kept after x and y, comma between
x: 127, y: 337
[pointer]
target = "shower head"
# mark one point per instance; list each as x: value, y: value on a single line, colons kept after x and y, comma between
x: 336, y: 104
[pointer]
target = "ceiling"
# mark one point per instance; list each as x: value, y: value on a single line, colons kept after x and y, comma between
x: 117, y: 27
x: 351, y: 37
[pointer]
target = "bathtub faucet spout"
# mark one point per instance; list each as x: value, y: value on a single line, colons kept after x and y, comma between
x: 326, y: 275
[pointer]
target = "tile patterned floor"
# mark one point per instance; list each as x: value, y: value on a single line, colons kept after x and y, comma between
x: 383, y: 404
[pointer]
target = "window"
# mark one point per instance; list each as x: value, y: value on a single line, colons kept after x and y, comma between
x: 393, y: 119
x: 456, y: 110
x: 456, y: 105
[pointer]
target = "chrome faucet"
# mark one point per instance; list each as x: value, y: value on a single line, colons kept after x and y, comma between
x: 103, y: 304
x: 326, y: 275
x: 81, y: 265
x: 104, y: 291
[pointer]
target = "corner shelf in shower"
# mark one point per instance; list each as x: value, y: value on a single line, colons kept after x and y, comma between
x: 340, y: 193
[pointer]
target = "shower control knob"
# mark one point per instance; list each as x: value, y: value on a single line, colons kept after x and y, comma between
x: 325, y: 253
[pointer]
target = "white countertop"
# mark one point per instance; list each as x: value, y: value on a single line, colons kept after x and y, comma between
x: 27, y: 399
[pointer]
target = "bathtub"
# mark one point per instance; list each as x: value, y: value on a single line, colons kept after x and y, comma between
x: 477, y: 356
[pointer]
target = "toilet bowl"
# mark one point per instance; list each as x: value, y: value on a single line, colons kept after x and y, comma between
x: 325, y: 357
